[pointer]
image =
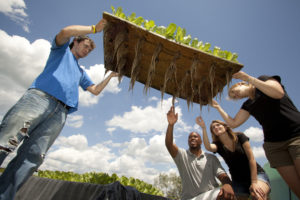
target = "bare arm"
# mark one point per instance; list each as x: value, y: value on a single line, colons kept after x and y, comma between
x: 270, y: 87
x: 252, y: 162
x: 97, y: 89
x: 224, y: 179
x: 209, y: 146
x: 255, y: 190
x: 226, y: 191
x: 172, y: 119
x: 239, y: 118
x: 75, y: 30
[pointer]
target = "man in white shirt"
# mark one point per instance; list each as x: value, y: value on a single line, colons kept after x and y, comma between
x: 198, y: 170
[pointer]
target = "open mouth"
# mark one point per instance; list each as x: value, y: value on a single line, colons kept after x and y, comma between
x: 193, y: 142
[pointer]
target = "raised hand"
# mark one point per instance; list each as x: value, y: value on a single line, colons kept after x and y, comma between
x: 214, y: 104
x: 200, y: 122
x: 114, y: 74
x: 171, y: 116
x: 242, y: 76
x: 100, y: 25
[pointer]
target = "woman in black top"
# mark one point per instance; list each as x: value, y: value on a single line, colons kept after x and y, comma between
x: 247, y: 176
x: 270, y: 105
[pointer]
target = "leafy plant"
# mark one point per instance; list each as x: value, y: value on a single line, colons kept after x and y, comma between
x: 149, y: 25
x: 170, y: 31
x: 101, y: 178
x: 175, y: 33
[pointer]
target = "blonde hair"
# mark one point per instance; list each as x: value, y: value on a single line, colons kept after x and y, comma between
x: 230, y: 132
x: 234, y: 86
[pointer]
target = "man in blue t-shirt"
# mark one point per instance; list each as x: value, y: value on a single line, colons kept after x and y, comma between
x: 39, y: 116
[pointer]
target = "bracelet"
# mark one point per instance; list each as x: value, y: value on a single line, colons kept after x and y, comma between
x: 94, y: 29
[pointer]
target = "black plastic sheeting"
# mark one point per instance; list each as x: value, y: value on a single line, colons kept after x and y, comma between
x: 37, y: 188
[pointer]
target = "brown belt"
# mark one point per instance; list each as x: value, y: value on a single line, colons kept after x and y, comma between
x: 62, y: 103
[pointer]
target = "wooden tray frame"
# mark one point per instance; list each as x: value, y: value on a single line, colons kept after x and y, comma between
x: 163, y: 64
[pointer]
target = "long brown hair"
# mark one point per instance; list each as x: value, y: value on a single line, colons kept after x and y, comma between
x: 230, y: 132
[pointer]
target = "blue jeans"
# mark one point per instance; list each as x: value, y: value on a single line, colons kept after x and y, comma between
x: 36, y: 119
x: 243, y: 188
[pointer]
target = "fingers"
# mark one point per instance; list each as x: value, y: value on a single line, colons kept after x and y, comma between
x: 257, y: 194
x: 220, y: 195
x: 261, y: 193
x: 101, y: 24
x: 172, y: 110
x: 223, y: 195
x: 214, y: 103
x: 241, y: 75
x: 229, y: 196
x: 171, y: 116
x: 114, y: 74
x: 199, y: 120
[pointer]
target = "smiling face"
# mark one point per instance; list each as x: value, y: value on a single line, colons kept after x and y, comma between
x: 194, y: 140
x: 218, y: 129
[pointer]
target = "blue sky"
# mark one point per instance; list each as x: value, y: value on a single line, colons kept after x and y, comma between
x: 123, y: 131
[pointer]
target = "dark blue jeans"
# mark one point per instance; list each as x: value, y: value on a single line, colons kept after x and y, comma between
x: 241, y: 187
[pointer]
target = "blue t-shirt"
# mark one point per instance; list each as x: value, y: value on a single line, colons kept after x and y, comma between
x: 62, y: 76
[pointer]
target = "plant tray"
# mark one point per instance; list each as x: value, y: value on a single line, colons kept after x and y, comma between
x: 177, y: 69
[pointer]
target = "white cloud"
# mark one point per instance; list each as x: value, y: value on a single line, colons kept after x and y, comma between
x: 155, y: 152
x: 256, y: 140
x: 258, y: 152
x: 153, y: 98
x: 96, y: 73
x: 134, y: 168
x: 255, y: 134
x: 75, y: 121
x: 110, y: 130
x: 78, y: 141
x: 197, y: 128
x: 137, y: 155
x: 74, y: 154
x: 110, y: 143
x: 20, y: 62
x: 15, y: 10
x: 147, y: 119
